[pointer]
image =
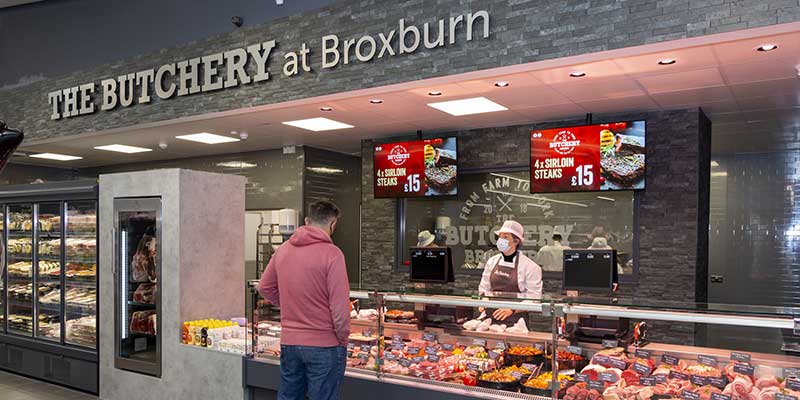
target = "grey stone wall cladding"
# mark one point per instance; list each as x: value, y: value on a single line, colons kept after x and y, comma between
x: 669, y: 214
x: 522, y: 31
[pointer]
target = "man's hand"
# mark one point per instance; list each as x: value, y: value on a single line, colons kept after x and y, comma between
x: 502, y: 314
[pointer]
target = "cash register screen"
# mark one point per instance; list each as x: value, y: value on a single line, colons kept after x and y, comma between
x: 431, y: 264
x: 590, y: 270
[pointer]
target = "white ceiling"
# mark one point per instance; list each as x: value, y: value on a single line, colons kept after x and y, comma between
x: 752, y: 97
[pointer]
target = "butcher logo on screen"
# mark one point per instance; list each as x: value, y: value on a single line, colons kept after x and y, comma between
x: 564, y: 142
x: 398, y: 155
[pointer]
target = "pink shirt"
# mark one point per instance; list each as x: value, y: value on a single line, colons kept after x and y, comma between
x: 307, y: 278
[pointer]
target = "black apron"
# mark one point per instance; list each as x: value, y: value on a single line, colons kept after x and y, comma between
x: 505, y: 279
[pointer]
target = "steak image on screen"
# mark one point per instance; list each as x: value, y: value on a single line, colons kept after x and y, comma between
x: 622, y: 159
x: 441, y: 167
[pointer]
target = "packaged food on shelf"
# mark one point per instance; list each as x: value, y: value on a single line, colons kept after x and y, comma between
x: 145, y: 293
x: 144, y: 322
x: 82, y: 331
x: 80, y: 222
x: 80, y: 296
x: 211, y: 332
x: 20, y: 246
x: 84, y: 248
x: 20, y: 269
x: 81, y: 270
x: 49, y: 268
x: 49, y: 247
x: 52, y: 298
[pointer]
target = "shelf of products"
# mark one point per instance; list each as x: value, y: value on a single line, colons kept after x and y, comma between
x: 399, y: 341
x: 214, y: 334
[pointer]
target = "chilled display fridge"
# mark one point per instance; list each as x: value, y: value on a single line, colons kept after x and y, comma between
x: 48, y: 318
x: 137, y: 269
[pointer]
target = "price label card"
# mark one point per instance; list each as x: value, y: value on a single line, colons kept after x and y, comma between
x: 366, y: 348
x: 389, y: 356
x: 429, y: 337
x: 707, y: 360
x: 596, y: 385
x: 617, y: 363
x: 608, y: 377
x: 351, y: 346
x: 398, y: 346
x: 581, y: 378
x: 717, y: 382
x: 397, y: 338
x: 641, y: 368
x: 678, y: 375
x: 349, y: 354
x: 479, y: 342
x: 501, y: 345
x: 417, y: 359
x: 363, y: 357
x: 698, y: 380
x: 430, y: 350
x: 791, y: 373
x: 516, y: 375
x: 575, y: 350
x: 493, y: 355
x: 669, y: 359
x: 781, y: 396
x: 447, y: 347
x: 740, y: 357
x: 720, y: 396
x: 647, y: 381
x: 473, y: 367
x: 744, y: 369
x: 530, y: 367
x: 642, y: 353
x: 405, y: 362
x: 433, y: 358
x: 690, y: 395
x: 609, y: 343
x: 367, y: 332
x: 661, y: 378
x: 600, y: 360
x: 413, y: 350
x: 793, y: 384
x: 538, y: 346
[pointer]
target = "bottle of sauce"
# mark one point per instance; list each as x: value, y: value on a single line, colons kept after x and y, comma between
x: 185, y: 333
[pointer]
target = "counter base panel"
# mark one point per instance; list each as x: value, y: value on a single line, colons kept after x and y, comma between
x: 48, y: 363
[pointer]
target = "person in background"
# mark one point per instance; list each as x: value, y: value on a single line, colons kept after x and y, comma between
x: 600, y: 243
x: 426, y: 239
x: 307, y: 278
x: 551, y: 256
x: 511, y: 271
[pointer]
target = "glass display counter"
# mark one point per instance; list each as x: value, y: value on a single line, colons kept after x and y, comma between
x: 443, y: 344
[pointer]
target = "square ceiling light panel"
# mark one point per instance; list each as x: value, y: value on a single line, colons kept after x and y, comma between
x: 318, y: 124
x: 207, y: 138
x: 121, y: 148
x: 57, y: 157
x: 476, y: 105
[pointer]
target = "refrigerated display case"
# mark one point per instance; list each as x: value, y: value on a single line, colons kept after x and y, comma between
x: 41, y: 302
x: 618, y: 359
x: 137, y: 269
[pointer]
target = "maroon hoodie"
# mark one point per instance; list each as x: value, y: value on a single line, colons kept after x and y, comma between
x: 307, y: 278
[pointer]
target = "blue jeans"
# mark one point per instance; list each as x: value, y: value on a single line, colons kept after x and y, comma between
x: 316, y: 370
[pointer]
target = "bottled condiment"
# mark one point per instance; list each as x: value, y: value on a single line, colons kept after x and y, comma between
x: 204, y: 337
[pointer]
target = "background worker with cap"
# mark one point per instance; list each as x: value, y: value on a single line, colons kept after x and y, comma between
x: 426, y: 239
x: 510, y: 272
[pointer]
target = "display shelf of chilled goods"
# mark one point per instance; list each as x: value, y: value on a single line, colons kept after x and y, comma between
x: 483, y: 359
x: 226, y: 336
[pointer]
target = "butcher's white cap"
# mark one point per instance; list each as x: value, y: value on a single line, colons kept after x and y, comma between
x: 514, y: 228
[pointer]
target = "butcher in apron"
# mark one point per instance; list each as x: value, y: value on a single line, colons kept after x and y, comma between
x: 510, y: 272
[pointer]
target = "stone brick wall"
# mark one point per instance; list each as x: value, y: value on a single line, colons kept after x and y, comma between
x: 522, y: 31
x: 671, y: 209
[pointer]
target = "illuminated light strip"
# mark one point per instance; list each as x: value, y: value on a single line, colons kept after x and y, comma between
x: 606, y: 198
x: 123, y: 281
x: 535, y: 197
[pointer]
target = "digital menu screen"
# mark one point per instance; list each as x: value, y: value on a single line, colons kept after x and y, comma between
x: 590, y: 269
x: 416, y: 169
x: 588, y: 158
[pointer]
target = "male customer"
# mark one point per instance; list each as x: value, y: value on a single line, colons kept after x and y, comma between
x: 307, y: 278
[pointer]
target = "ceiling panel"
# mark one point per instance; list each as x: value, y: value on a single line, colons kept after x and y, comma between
x: 741, y: 51
x: 600, y: 88
x: 759, y: 71
x: 602, y: 69
x: 686, y: 80
x: 693, y: 96
x: 686, y: 59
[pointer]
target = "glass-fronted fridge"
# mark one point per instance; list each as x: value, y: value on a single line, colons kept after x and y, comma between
x: 137, y: 271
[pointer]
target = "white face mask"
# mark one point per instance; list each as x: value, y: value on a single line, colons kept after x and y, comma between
x: 503, y: 245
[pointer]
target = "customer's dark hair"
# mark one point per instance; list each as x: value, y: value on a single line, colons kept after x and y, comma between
x: 557, y: 237
x: 322, y: 212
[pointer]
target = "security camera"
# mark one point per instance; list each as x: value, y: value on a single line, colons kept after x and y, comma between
x: 237, y: 21
x: 163, y: 146
x: 243, y: 135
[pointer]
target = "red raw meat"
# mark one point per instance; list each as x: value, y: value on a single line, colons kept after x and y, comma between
x: 631, y: 377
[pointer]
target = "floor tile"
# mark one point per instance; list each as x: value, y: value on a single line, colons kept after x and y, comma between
x: 15, y: 387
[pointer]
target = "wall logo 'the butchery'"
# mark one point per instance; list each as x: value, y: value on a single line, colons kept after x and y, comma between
x: 564, y: 142
x: 398, y: 155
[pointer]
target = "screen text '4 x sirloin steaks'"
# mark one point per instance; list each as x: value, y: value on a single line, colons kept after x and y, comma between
x: 624, y: 167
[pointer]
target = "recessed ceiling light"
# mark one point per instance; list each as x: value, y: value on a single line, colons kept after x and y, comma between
x: 767, y: 47
x: 434, y: 93
x: 207, y: 138
x: 121, y: 148
x: 577, y: 74
x: 501, y: 84
x: 236, y: 164
x: 326, y: 109
x: 667, y: 61
x: 476, y: 105
x: 376, y: 101
x: 318, y: 124
x: 57, y: 157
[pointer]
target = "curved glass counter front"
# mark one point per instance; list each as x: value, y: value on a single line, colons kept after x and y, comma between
x: 618, y: 349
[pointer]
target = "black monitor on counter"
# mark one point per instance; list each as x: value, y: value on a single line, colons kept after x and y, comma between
x: 431, y: 265
x: 590, y: 270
